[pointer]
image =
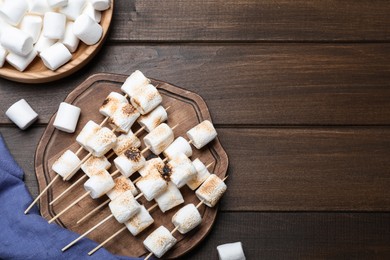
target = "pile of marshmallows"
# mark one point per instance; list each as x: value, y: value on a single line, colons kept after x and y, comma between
x: 50, y: 29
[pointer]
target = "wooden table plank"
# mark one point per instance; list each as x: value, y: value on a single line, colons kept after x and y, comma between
x: 262, y: 84
x: 251, y: 20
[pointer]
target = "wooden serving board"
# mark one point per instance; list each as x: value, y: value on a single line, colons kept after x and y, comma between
x: 186, y: 109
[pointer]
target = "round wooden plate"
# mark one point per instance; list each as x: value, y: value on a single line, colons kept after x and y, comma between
x: 187, y: 109
x: 37, y: 72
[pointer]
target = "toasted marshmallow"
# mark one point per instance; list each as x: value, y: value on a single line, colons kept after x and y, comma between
x: 152, y: 185
x: 187, y: 218
x: 211, y: 190
x: 182, y: 170
x: 153, y: 119
x: 130, y: 161
x: 99, y: 184
x: 159, y: 139
x: 151, y: 164
x: 101, y: 142
x: 124, y: 117
x: 73, y: 9
x: 95, y: 164
x: 147, y: 99
x: 201, y: 175
x: 170, y: 198
x: 89, y: 130
x: 100, y: 5
x: 160, y: 241
x: 139, y: 222
x: 66, y: 163
x: 122, y: 184
x: 135, y: 83
x: 126, y: 141
x: 124, y: 206
x: 202, y: 134
x: 111, y: 103
x: 13, y: 11
x: 180, y: 145
x: 231, y: 251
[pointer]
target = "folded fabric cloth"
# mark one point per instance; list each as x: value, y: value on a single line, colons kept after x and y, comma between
x: 30, y: 236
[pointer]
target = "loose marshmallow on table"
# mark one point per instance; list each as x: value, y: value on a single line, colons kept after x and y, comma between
x: 111, y: 103
x: 135, y: 83
x: 66, y: 163
x: 55, y: 56
x: 182, y: 170
x: 124, y: 206
x: 92, y: 12
x: 122, y: 184
x: 21, y: 114
x: 201, y: 175
x: 100, y: 5
x: 170, y: 198
x: 202, y: 134
x: 159, y: 139
x: 73, y: 9
x: 160, y: 241
x: 13, y: 10
x: 147, y: 99
x: 231, y: 251
x: 211, y: 190
x: 21, y: 62
x: 32, y: 24
x: 187, y: 218
x: 87, y: 30
x: 67, y: 117
x: 139, y: 222
x: 130, y: 161
x: 152, y: 185
x: 43, y: 43
x: 16, y: 41
x: 94, y: 164
x: 70, y: 40
x: 126, y: 141
x: 180, y: 145
x: 124, y: 117
x: 3, y: 54
x: 154, y: 163
x: 99, y: 184
x: 57, y: 3
x: 89, y: 130
x: 54, y: 25
x: 153, y: 119
x: 100, y: 143
x: 39, y: 7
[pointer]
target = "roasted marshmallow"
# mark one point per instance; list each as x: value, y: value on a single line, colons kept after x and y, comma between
x: 201, y: 175
x: 202, y: 134
x: 87, y: 30
x: 100, y: 5
x: 13, y: 11
x: 231, y: 251
x: 152, y: 185
x: 100, y: 143
x: 124, y: 206
x: 155, y: 163
x: 66, y: 164
x: 130, y: 161
x: 67, y: 117
x: 124, y: 117
x: 122, y: 184
x: 180, y: 145
x: 187, y: 218
x: 211, y: 190
x: 21, y: 62
x: 160, y: 241
x: 99, y: 184
x: 90, y: 129
x: 139, y: 222
x: 182, y: 170
x: 54, y: 25
x: 170, y: 198
x: 21, y: 114
x: 147, y: 99
x: 94, y: 164
x: 126, y: 141
x: 16, y: 41
x: 73, y: 9
x: 32, y: 24
x: 112, y: 103
x: 70, y: 40
x: 135, y: 83
x: 55, y: 56
x: 159, y: 139
x: 153, y: 119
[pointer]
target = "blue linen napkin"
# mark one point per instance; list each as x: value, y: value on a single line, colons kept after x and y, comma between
x: 30, y: 236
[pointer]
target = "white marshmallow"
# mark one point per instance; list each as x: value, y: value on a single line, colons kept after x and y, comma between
x: 95, y: 164
x: 124, y: 206
x: 126, y: 141
x: 130, y: 161
x: 211, y: 190
x: 180, y: 145
x: 73, y: 9
x: 139, y: 222
x: 99, y: 184
x: 122, y: 184
x: 67, y: 117
x: 182, y: 170
x: 16, y: 41
x: 187, y: 218
x: 135, y: 83
x: 170, y: 198
x: 147, y: 99
x: 87, y: 30
x: 231, y: 251
x: 57, y: 3
x: 32, y: 25
x: 3, y: 54
x: 55, y: 56
x: 201, y: 175
x: 39, y: 7
x: 21, y: 62
x: 92, y: 12
x: 21, y: 114
x: 152, y: 185
x: 66, y: 163
x: 89, y: 130
x: 54, y: 25
x: 100, y: 5
x: 159, y: 139
x: 160, y: 241
x: 70, y: 40
x: 111, y: 103
x: 100, y: 143
x: 155, y: 163
x: 13, y: 11
x: 43, y: 43
x: 202, y: 134
x: 153, y: 119
x: 124, y: 117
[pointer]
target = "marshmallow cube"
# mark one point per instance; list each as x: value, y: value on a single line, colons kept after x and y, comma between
x: 43, y: 43
x: 57, y: 3
x: 89, y: 130
x: 182, y: 170
x: 170, y: 198
x: 201, y: 175
x: 124, y: 117
x: 99, y: 184
x: 180, y: 145
x: 54, y: 25
x: 3, y: 54
x: 124, y: 207
x: 67, y: 117
x: 159, y: 139
x: 21, y: 114
x: 153, y: 119
x: 66, y: 163
x: 152, y: 185
x: 32, y: 25
x: 187, y: 218
x: 211, y: 190
x: 139, y: 222
x: 231, y: 251
x: 160, y: 241
x: 16, y: 41
x: 100, y: 143
x: 21, y: 62
x: 73, y: 9
x: 55, y: 56
x: 130, y: 161
x: 125, y: 142
x: 111, y: 103
x: 87, y: 30
x: 100, y: 5
x: 39, y: 7
x: 135, y: 83
x: 122, y: 184
x: 147, y: 99
x: 70, y: 40
x: 202, y: 134
x: 13, y: 11
x: 155, y: 163
x: 92, y: 12
x: 95, y: 164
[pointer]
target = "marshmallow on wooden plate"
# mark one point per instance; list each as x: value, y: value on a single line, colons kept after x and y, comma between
x: 187, y: 218
x: 43, y: 43
x: 100, y: 5
x: 202, y: 134
x: 57, y: 3
x: 92, y: 12
x: 147, y: 99
x: 170, y: 198
x: 99, y: 184
x: 231, y: 251
x: 94, y: 164
x: 54, y: 25
x: 159, y: 139
x: 154, y: 163
x: 55, y: 56
x: 100, y: 143
x: 152, y: 185
x: 67, y: 117
x: 66, y: 163
x: 122, y: 184
x: 21, y: 114
x: 3, y: 54
x: 21, y: 62
x: 124, y: 206
x: 111, y: 103
x: 139, y: 222
x: 211, y: 190
x: 160, y: 241
x: 87, y: 30
x: 201, y: 175
x: 153, y: 119
x: 135, y: 83
x: 182, y: 170
x: 70, y: 40
x: 39, y: 7
x: 89, y: 130
x: 32, y: 24
x: 180, y: 145
x: 16, y: 41
x: 13, y: 10
x: 126, y: 141
x: 130, y: 161
x: 73, y: 9
x: 124, y: 117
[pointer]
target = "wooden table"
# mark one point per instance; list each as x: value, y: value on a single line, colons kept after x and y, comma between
x: 300, y: 95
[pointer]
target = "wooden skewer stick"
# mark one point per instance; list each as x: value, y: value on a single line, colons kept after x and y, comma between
x: 148, y: 256
x: 79, y: 150
x: 93, y: 211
